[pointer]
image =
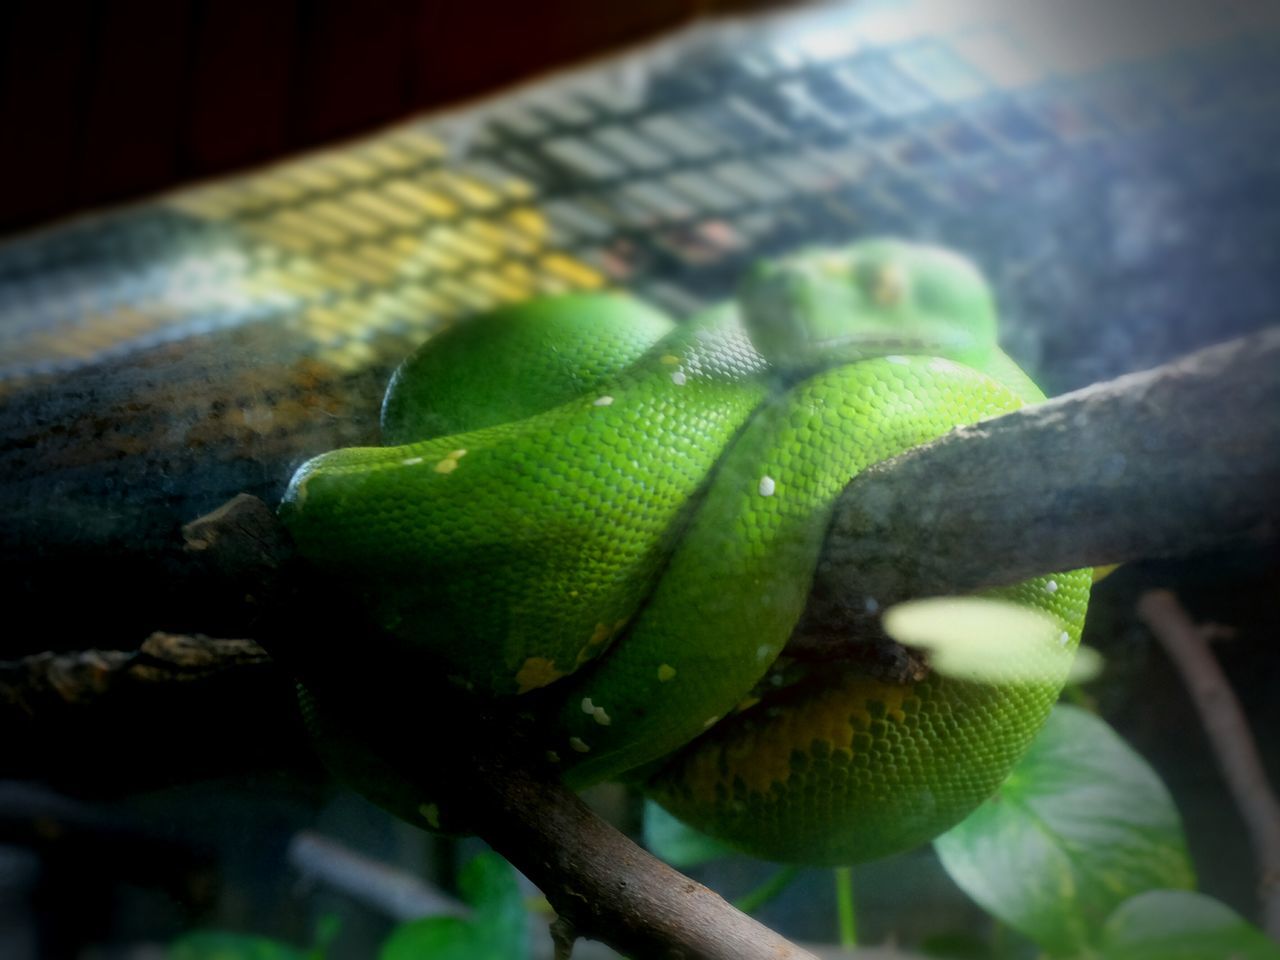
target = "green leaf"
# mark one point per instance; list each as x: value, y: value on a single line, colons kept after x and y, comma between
x: 1177, y: 925
x: 489, y: 884
x: 678, y: 843
x: 1081, y: 825
x: 219, y: 945
x: 435, y: 938
x: 327, y: 930
x: 495, y: 932
x: 980, y: 638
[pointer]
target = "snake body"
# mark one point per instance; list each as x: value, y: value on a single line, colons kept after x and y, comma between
x: 628, y: 522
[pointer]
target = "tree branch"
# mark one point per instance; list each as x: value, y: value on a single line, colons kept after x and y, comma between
x: 1228, y: 732
x: 1181, y: 459
x: 605, y: 886
x: 93, y: 722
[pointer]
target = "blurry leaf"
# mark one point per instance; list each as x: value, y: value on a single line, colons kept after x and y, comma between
x: 955, y: 946
x: 1086, y: 666
x: 982, y: 639
x: 1177, y: 925
x: 495, y: 932
x: 217, y: 945
x: 1081, y: 825
x: 436, y: 938
x: 489, y: 884
x: 327, y: 930
x: 678, y: 843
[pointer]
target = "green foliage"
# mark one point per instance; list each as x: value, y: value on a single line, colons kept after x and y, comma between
x: 1178, y: 925
x: 1080, y: 826
x: 220, y: 945
x: 677, y: 843
x: 217, y: 945
x: 495, y: 931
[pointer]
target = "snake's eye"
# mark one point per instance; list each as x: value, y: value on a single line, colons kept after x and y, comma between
x: 884, y: 283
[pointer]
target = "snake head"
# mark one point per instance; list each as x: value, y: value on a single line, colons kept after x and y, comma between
x: 878, y: 297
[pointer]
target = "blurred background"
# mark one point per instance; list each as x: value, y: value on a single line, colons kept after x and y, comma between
x: 225, y: 223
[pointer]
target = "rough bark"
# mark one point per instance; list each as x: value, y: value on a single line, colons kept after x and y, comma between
x: 1178, y: 460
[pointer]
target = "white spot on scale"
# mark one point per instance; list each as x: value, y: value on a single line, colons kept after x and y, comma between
x: 1064, y: 638
x: 587, y: 706
x: 897, y: 359
x: 678, y: 379
x: 411, y: 461
x: 553, y: 757
x: 604, y: 401
x: 1051, y: 586
x: 767, y: 486
x: 941, y: 365
x: 709, y: 723
x: 601, y: 717
x: 578, y: 745
x: 871, y: 604
x: 763, y: 651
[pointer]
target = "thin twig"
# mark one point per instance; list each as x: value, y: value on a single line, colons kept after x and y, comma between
x: 398, y: 894
x: 602, y: 883
x: 1228, y: 732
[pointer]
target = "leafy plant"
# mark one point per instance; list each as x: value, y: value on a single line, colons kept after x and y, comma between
x: 1179, y: 925
x: 495, y: 931
x: 222, y: 945
x: 1081, y: 825
x: 1081, y: 850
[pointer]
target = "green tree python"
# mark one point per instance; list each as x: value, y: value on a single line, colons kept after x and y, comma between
x: 579, y: 498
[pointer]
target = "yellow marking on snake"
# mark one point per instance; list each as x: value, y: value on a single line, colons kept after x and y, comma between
x: 537, y: 672
x: 431, y: 813
x: 666, y: 672
x: 834, y: 717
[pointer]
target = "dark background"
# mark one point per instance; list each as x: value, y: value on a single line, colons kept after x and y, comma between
x: 106, y: 101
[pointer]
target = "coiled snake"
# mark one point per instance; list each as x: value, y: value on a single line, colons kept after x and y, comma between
x: 581, y: 499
